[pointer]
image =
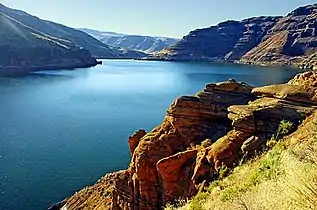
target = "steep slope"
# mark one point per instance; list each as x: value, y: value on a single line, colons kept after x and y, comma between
x: 292, y: 41
x: 283, y: 41
x: 282, y: 178
x: 145, y: 44
x: 96, y: 48
x: 24, y: 49
x: 200, y: 136
x: 228, y: 40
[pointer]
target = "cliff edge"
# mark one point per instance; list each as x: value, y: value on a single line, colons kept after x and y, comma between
x: 277, y: 41
x: 218, y: 127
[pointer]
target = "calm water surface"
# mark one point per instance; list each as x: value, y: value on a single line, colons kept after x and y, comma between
x: 63, y: 130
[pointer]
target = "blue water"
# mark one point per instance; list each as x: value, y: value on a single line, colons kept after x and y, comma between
x: 63, y: 130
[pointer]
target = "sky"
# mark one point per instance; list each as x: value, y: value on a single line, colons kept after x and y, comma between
x: 171, y: 18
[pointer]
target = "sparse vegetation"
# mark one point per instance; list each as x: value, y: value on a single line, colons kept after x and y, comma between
x: 283, y: 178
x: 285, y: 127
x: 223, y: 171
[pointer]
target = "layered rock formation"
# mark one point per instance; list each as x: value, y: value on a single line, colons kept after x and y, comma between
x: 173, y: 161
x: 228, y: 40
x: 25, y: 49
x: 286, y: 41
x: 292, y: 41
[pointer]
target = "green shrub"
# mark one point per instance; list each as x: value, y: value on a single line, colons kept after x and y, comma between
x: 223, y: 171
x: 271, y: 143
x: 284, y: 128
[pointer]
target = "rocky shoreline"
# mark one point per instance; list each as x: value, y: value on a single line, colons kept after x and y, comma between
x: 218, y: 127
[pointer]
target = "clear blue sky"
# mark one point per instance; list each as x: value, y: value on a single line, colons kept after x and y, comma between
x: 174, y: 18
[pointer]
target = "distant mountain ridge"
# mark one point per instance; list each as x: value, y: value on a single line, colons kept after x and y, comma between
x: 146, y: 44
x: 96, y: 48
x: 281, y: 41
x: 25, y: 49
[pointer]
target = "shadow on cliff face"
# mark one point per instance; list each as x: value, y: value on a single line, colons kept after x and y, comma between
x: 175, y: 161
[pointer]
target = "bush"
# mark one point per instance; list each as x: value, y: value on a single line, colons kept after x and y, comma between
x: 285, y: 127
x: 223, y: 171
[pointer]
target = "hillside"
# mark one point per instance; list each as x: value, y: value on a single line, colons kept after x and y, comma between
x: 289, y: 40
x: 28, y: 49
x: 292, y: 41
x: 96, y: 48
x: 201, y: 139
x: 146, y: 44
x: 282, y: 178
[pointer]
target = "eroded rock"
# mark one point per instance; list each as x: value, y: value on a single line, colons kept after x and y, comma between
x: 134, y: 140
x: 169, y: 163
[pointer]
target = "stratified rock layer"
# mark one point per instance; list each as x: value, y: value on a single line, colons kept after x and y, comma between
x: 173, y: 161
x: 280, y: 41
x: 227, y: 40
x: 292, y: 41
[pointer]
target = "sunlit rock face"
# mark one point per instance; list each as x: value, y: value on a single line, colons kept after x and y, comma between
x: 226, y: 41
x: 292, y: 41
x: 280, y: 41
x: 173, y: 161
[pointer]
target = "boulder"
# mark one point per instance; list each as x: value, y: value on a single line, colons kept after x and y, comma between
x: 252, y: 145
x: 175, y: 172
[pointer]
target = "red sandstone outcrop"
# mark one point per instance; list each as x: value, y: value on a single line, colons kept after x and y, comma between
x: 169, y: 163
x: 134, y: 140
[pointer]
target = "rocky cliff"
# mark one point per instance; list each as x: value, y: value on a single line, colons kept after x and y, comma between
x: 218, y: 127
x: 227, y: 40
x: 292, y: 41
x: 25, y: 49
x: 288, y: 41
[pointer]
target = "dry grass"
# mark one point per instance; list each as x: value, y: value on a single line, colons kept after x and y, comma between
x: 282, y: 179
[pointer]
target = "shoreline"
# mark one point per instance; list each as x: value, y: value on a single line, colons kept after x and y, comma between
x: 223, y: 61
x: 15, y: 71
